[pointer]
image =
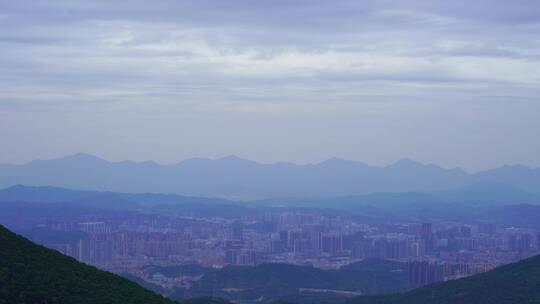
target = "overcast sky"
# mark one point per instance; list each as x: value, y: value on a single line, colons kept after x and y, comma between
x: 456, y: 83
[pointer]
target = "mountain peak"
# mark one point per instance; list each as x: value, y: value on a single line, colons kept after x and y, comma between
x: 17, y: 187
x: 232, y: 157
x: 235, y: 160
x: 340, y: 161
x: 406, y: 163
x: 82, y: 157
x: 335, y: 160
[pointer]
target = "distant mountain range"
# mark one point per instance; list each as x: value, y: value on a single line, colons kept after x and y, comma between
x: 235, y: 178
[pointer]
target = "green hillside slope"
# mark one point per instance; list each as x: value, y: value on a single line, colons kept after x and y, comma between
x: 33, y: 274
x: 511, y: 284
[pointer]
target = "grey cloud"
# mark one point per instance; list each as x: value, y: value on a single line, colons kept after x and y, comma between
x: 334, y: 60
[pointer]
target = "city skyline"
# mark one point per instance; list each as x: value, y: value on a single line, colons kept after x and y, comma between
x: 183, y: 250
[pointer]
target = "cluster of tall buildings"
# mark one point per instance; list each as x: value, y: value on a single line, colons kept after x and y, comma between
x: 432, y: 251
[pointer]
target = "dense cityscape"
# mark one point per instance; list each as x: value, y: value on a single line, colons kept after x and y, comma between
x: 438, y: 251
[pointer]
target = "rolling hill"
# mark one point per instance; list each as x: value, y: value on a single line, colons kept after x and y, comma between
x: 34, y: 203
x: 510, y: 284
x: 267, y: 283
x: 48, y: 194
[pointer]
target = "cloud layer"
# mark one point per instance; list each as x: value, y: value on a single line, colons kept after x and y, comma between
x: 295, y: 80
